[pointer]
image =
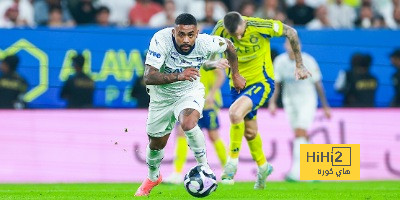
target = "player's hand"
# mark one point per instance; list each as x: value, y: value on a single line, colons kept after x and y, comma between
x: 238, y: 82
x: 272, y: 108
x: 302, y: 73
x: 222, y: 64
x: 327, y: 112
x: 189, y: 74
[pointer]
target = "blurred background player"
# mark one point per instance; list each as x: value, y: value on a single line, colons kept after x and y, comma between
x: 172, y: 75
x: 12, y: 85
x: 395, y: 60
x: 212, y: 81
x: 251, y: 38
x: 299, y: 98
x: 358, y: 85
x: 79, y: 88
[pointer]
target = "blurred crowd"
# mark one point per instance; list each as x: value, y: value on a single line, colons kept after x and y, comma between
x: 313, y: 14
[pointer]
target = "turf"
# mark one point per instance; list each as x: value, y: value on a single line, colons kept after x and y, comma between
x: 275, y: 190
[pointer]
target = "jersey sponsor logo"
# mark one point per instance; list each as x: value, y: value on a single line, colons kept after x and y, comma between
x: 153, y: 53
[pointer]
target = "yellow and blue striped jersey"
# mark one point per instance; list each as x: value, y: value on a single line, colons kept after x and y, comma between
x: 253, y: 49
x: 208, y: 79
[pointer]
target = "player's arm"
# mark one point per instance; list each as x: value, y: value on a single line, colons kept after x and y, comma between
x: 153, y: 76
x: 272, y: 102
x: 291, y: 34
x: 238, y: 81
x: 321, y: 94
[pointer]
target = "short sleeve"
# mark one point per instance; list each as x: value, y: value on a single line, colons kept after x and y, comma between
x: 157, y: 52
x: 215, y: 44
x: 268, y: 28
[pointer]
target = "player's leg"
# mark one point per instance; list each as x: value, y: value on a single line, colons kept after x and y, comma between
x: 181, y: 149
x: 254, y: 141
x: 159, y: 125
x: 301, y: 119
x: 210, y: 122
x: 237, y: 112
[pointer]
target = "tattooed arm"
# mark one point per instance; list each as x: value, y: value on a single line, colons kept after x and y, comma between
x: 153, y: 76
x: 238, y: 81
x: 301, y: 71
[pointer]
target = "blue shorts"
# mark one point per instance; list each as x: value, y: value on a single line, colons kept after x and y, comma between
x: 209, y: 120
x: 259, y: 93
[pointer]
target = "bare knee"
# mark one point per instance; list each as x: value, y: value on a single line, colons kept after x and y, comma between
x: 213, y: 135
x: 235, y: 116
x: 188, y: 124
x: 299, y: 132
x: 250, y: 133
x: 158, y: 143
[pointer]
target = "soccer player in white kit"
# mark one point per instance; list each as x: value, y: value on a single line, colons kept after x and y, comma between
x: 299, y: 99
x: 172, y: 77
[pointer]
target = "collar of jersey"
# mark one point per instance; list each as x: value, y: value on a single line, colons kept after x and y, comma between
x: 179, y: 51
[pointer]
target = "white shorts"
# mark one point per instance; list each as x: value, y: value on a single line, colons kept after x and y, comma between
x: 162, y: 118
x: 301, y: 115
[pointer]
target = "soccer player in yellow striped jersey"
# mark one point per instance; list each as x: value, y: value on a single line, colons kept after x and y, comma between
x: 212, y: 81
x: 251, y: 38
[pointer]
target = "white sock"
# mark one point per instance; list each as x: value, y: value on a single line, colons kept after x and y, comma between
x: 234, y: 161
x: 295, y: 171
x: 197, y: 144
x: 153, y: 160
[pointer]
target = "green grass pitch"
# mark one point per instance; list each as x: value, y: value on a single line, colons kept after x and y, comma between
x: 274, y: 190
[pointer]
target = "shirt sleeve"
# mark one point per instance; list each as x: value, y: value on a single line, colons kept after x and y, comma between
x: 216, y: 44
x: 268, y: 28
x: 157, y: 52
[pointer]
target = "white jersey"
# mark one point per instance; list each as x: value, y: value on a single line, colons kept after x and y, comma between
x: 163, y: 55
x: 295, y: 91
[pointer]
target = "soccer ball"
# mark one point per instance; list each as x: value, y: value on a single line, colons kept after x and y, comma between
x: 200, y: 181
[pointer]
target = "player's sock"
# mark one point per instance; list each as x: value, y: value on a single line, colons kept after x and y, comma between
x: 180, y: 154
x: 153, y: 160
x: 236, y: 136
x: 221, y: 151
x: 256, y: 151
x: 295, y: 171
x: 197, y: 144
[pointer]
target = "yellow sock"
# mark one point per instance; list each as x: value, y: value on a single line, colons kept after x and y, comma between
x: 221, y: 151
x: 181, y: 150
x: 256, y: 150
x: 236, y: 135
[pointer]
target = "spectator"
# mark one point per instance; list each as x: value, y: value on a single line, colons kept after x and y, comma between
x: 12, y: 85
x: 84, y: 12
x: 300, y: 13
x: 119, y: 10
x: 24, y: 9
x: 358, y: 85
x: 388, y: 12
x: 43, y: 9
x: 197, y: 7
x: 141, y: 13
x: 366, y: 17
x: 209, y: 19
x: 56, y: 17
x: 271, y: 10
x: 313, y: 3
x: 247, y: 8
x: 321, y: 20
x: 341, y: 15
x: 79, y: 88
x: 140, y: 94
x: 166, y: 17
x: 395, y: 59
x: 396, y: 17
x: 103, y: 16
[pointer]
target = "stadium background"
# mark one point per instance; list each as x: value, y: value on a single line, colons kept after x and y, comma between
x: 48, y: 144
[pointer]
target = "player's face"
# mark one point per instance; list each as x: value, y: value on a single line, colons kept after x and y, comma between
x: 240, y: 30
x: 185, y: 36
